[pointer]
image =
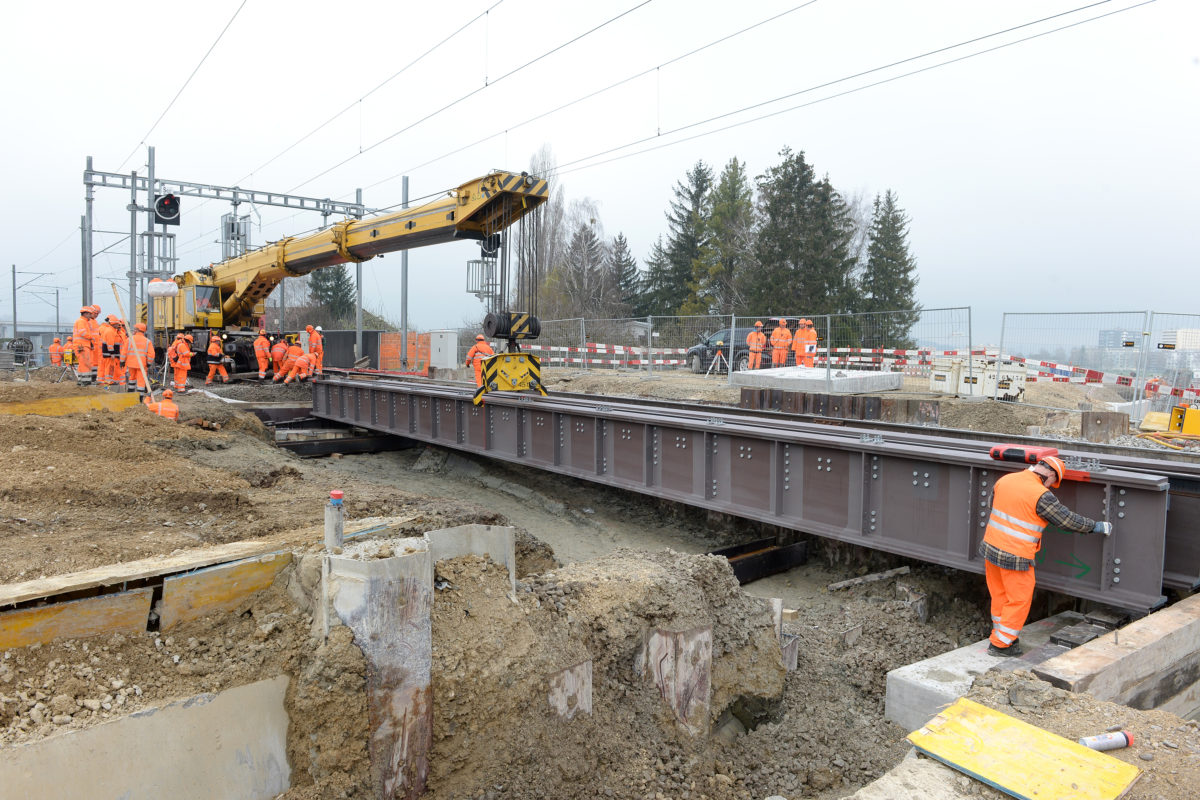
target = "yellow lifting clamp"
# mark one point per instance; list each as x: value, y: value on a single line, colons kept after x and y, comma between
x: 510, y: 372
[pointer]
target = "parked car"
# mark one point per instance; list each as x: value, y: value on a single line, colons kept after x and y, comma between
x: 733, y: 350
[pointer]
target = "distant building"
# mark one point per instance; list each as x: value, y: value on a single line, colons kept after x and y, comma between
x: 1115, y: 339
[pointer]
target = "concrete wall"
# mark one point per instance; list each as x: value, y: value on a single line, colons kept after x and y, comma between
x: 231, y: 745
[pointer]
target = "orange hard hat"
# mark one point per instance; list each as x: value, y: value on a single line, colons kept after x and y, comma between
x: 479, y: 337
x: 141, y: 326
x: 85, y: 310
x: 95, y: 309
x: 308, y: 328
x: 758, y: 324
x: 168, y: 394
x: 111, y: 318
x: 56, y: 339
x: 1056, y: 465
x: 189, y: 337
x: 262, y: 332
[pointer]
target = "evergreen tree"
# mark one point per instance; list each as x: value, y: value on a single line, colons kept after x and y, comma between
x: 889, y: 279
x: 583, y: 278
x: 727, y: 253
x: 673, y: 286
x: 623, y: 272
x: 332, y: 288
x: 655, y: 283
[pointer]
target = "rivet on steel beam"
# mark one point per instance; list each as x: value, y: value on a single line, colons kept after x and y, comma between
x: 1121, y: 503
x: 981, y: 525
x: 874, y: 476
x: 872, y: 527
x: 914, y: 482
x: 1122, y: 491
x: 926, y: 474
x: 1116, y: 561
x: 872, y: 513
x: 1117, y: 570
x: 985, y: 472
x: 927, y: 483
x: 1116, y: 580
x: 1120, y: 515
x: 914, y: 473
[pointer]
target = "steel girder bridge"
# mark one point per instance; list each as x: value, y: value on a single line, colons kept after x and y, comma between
x: 880, y: 486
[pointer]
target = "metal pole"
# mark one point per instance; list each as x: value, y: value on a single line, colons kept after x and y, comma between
x: 650, y: 345
x: 971, y: 356
x: 404, y: 284
x: 732, y: 341
x: 87, y: 239
x: 358, y: 347
x: 14, y: 271
x: 583, y: 341
x: 133, y: 276
x: 57, y: 332
x: 999, y: 356
x: 1142, y: 368
x: 828, y: 352
x: 150, y: 265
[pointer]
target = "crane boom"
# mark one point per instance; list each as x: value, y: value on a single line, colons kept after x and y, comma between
x: 233, y: 292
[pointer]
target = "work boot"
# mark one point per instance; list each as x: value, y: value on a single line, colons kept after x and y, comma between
x: 1012, y: 651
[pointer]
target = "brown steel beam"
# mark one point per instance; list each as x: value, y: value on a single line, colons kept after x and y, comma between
x: 897, y: 493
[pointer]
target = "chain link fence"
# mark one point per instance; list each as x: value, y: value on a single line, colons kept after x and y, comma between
x: 1171, y: 361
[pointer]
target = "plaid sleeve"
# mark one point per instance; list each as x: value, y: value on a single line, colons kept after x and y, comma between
x: 1054, y: 512
x: 1001, y: 559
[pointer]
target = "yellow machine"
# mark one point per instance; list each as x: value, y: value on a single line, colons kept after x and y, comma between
x: 230, y: 297
x: 1185, y: 419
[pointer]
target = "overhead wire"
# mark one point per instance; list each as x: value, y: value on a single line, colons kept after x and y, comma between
x: 185, y: 85
x: 471, y: 93
x: 562, y: 169
x: 598, y: 92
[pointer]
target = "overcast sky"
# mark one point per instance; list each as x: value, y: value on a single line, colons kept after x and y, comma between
x: 1059, y: 173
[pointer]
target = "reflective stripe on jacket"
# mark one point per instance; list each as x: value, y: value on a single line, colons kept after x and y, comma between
x: 757, y: 341
x: 781, y: 337
x: 1014, y: 525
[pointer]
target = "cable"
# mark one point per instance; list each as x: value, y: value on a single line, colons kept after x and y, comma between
x: 185, y: 85
x: 402, y: 70
x: 52, y: 251
x: 596, y: 93
x: 561, y: 170
x: 469, y: 94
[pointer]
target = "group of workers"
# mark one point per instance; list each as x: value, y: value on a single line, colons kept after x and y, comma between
x: 104, y: 354
x: 803, y: 343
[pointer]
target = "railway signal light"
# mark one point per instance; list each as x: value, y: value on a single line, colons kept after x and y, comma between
x: 166, y: 209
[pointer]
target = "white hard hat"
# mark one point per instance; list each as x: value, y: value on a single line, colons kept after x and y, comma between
x: 320, y: 328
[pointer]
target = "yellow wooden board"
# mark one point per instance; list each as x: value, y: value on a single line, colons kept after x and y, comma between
x: 1155, y: 421
x: 125, y: 612
x: 59, y: 406
x: 1021, y: 759
x: 219, y: 588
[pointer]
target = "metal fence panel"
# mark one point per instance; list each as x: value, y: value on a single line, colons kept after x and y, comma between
x: 1171, y: 363
x: 1102, y: 351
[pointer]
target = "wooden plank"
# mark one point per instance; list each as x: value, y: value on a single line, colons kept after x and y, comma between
x: 1020, y: 759
x: 112, y: 574
x: 125, y: 612
x: 60, y: 406
x: 219, y: 588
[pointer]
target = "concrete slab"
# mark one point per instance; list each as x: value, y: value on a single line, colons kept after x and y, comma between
x: 813, y: 379
x: 917, y: 692
x: 231, y: 745
x: 494, y: 541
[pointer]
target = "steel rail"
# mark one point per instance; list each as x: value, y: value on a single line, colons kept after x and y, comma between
x: 902, y: 493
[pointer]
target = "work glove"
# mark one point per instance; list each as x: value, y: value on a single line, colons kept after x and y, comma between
x: 1103, y: 527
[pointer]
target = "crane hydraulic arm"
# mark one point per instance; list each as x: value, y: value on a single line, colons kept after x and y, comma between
x: 233, y: 293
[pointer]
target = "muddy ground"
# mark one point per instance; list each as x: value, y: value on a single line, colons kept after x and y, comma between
x: 85, y: 490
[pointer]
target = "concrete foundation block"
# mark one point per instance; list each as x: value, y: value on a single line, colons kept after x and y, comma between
x: 680, y: 664
x: 1153, y: 662
x: 386, y: 602
x: 813, y: 379
x: 571, y: 690
x: 917, y: 692
x: 494, y: 541
x: 231, y: 745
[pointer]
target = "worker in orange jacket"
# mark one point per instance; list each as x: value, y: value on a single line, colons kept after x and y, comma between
x: 183, y: 361
x: 216, y: 360
x: 108, y: 351
x: 757, y: 340
x: 278, y: 353
x: 476, y: 355
x: 316, y: 347
x: 94, y: 328
x: 56, y: 352
x: 81, y: 335
x: 1022, y: 508
x: 301, y: 369
x: 140, y: 356
x: 262, y: 352
x: 122, y: 354
x: 804, y: 343
x: 165, y: 407
x: 294, y: 351
x: 781, y: 340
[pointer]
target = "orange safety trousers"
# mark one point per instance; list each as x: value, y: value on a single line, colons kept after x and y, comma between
x: 778, y: 356
x: 181, y: 378
x: 136, y: 374
x: 1012, y: 594
x: 216, y: 369
x: 264, y: 363
x: 755, y: 359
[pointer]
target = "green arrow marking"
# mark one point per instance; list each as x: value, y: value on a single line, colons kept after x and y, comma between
x: 1075, y: 563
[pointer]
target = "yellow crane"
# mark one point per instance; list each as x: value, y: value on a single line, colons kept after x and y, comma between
x: 230, y: 297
